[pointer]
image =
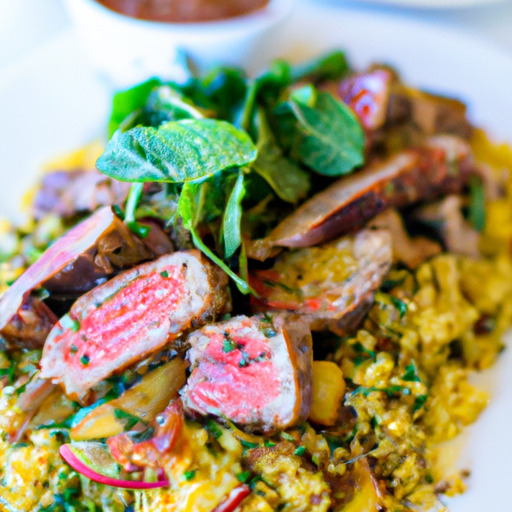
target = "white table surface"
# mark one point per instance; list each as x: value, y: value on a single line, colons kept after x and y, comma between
x: 26, y: 24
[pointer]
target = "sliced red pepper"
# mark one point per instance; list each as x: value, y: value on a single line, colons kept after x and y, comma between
x: 233, y: 499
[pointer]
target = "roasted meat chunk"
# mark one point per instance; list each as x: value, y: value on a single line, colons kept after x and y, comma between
x: 131, y: 316
x: 331, y: 286
x: 410, y: 250
x: 439, y: 168
x: 255, y: 371
x: 434, y: 114
x: 75, y: 263
x: 30, y: 325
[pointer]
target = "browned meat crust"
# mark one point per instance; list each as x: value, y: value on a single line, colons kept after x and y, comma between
x: 441, y: 167
x: 132, y: 316
x: 83, y: 258
x: 253, y: 371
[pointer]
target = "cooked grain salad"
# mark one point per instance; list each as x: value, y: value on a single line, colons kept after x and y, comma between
x: 260, y: 294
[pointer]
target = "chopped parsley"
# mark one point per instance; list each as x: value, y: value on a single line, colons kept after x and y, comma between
x: 269, y: 332
x: 411, y: 374
x: 384, y: 298
x: 245, y: 360
x: 399, y: 304
x: 189, y: 475
x: 243, y: 476
x: 300, y: 451
x: 85, y: 359
x: 419, y: 402
x: 130, y: 420
x: 70, y: 323
x: 390, y: 390
x: 164, y: 273
x: 363, y: 351
x: 228, y: 344
x: 248, y: 445
x: 213, y: 429
x: 10, y: 372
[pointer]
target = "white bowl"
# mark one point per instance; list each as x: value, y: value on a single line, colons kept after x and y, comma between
x: 128, y: 50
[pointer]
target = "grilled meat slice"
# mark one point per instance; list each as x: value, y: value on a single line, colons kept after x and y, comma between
x: 410, y: 250
x: 255, y: 371
x: 331, y: 286
x: 78, y: 261
x: 439, y: 168
x: 130, y: 317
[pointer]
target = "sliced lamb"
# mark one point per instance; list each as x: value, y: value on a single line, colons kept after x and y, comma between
x: 81, y: 259
x: 255, y: 371
x: 441, y: 167
x: 130, y: 317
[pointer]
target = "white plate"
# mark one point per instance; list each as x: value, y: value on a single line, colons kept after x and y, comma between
x: 53, y: 101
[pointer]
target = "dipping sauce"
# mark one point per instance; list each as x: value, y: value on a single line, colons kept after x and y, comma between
x: 182, y: 11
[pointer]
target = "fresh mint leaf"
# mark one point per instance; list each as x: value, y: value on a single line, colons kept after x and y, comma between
x: 332, y: 139
x: 225, y: 88
x: 330, y: 66
x: 231, y: 228
x: 305, y: 95
x: 289, y: 181
x: 176, y: 152
x: 264, y: 89
x: 168, y: 103
x: 189, y: 211
x: 127, y: 101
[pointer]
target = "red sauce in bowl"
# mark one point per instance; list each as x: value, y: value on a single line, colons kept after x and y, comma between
x: 182, y: 11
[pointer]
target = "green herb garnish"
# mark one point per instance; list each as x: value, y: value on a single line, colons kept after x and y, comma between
x: 67, y: 322
x: 300, y: 451
x: 189, y: 475
x: 477, y: 203
x: 411, y: 374
x: 243, y: 476
x: 214, y: 429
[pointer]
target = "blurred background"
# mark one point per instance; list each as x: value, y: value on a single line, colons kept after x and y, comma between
x: 26, y: 24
